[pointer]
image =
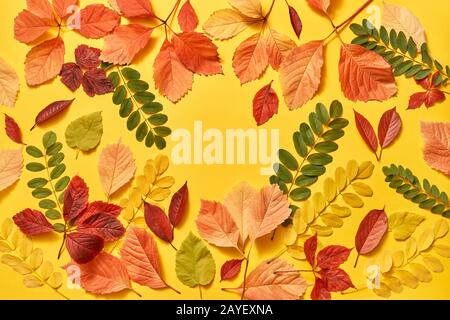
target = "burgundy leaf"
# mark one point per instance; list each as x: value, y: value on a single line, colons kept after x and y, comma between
x: 75, y: 199
x: 103, y: 225
x: 71, y: 76
x: 265, y: 104
x: 320, y: 292
x: 87, y: 57
x: 83, y: 247
x: 97, y: 207
x: 158, y: 222
x: 429, y: 99
x: 332, y: 257
x: 51, y: 111
x: 187, y: 18
x: 389, y: 127
x: 178, y: 204
x: 95, y: 82
x: 336, y: 280
x: 296, y: 22
x: 230, y: 269
x: 366, y: 131
x: 310, y: 249
x: 32, y: 222
x: 13, y: 130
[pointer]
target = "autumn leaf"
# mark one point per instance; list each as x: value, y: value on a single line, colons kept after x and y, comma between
x: 76, y: 199
x: 44, y: 62
x: 250, y: 59
x: 320, y: 292
x: 102, y: 225
x: 389, y: 128
x: 158, y: 222
x: 96, y: 21
x: 28, y: 27
x: 274, y: 280
x: 226, y: 23
x: 135, y: 8
x: 11, y: 163
x: 230, y: 269
x: 320, y: 5
x: 216, y: 225
x: 97, y: 207
x: 371, y: 232
x: 51, y: 111
x: 71, y: 76
x: 187, y: 18
x: 332, y: 257
x: 13, y: 130
x: 87, y: 57
x: 296, y: 22
x: 265, y: 104
x: 436, y: 151
x: 32, y: 222
x: 366, y: 131
x: 41, y: 8
x: 116, y: 167
x: 365, y: 75
x: 310, y: 248
x: 96, y: 82
x: 178, y: 204
x: 104, y: 275
x: 86, y: 132
x: 300, y: 73
x: 336, y: 280
x: 269, y: 209
x: 430, y: 97
x: 125, y: 43
x: 64, y: 8
x: 278, y: 47
x: 84, y: 247
x: 249, y: 8
x: 9, y: 84
x: 402, y: 20
x: 141, y: 258
x: 172, y: 78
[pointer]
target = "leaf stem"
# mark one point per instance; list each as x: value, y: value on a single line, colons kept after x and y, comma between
x: 356, y: 262
x: 245, y: 272
x: 201, y: 293
x: 171, y: 244
x: 137, y: 293
x: 270, y: 10
x: 61, y: 248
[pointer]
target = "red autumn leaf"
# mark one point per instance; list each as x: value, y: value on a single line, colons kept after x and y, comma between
x: 29, y: 27
x: 135, y: 8
x: 366, y: 131
x: 198, y: 53
x: 103, y: 225
x: 52, y: 110
x: 370, y: 232
x: 96, y: 21
x: 187, y: 18
x: 320, y: 292
x: 125, y: 43
x: 172, y: 78
x: 230, y: 269
x: 75, y: 198
x: 44, y: 62
x: 13, y: 130
x: 84, y: 247
x: 365, y: 75
x: 296, y: 22
x: 71, y: 76
x: 64, y: 8
x: 310, y: 248
x: 41, y: 8
x: 97, y: 207
x: 428, y: 98
x: 178, y: 204
x: 96, y: 82
x: 332, y: 257
x: 321, y: 5
x: 336, y: 280
x: 265, y: 104
x: 158, y: 222
x: 32, y: 222
x: 87, y: 57
x: 389, y: 128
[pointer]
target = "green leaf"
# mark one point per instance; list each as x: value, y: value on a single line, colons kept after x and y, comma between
x: 283, y: 173
x: 150, y: 140
x: 141, y: 132
x: 425, y: 55
x: 59, y: 227
x: 119, y: 95
x: 300, y: 145
x: 194, y: 264
x: 54, y: 149
x: 125, y: 108
x: 133, y: 120
x: 304, y: 181
x: 162, y: 131
x: 402, y: 68
x: 322, y: 113
x: 394, y: 62
x: 41, y: 193
x: 144, y: 97
x: 360, y: 40
x: 315, y: 123
x: 393, y: 39
x: 152, y: 107
x: 57, y: 171
x: 384, y: 35
x: 158, y: 119
x: 333, y: 135
x: 47, y: 204
x: 86, y: 132
x: 413, y: 71
x: 35, y: 167
x: 49, y: 139
x: 339, y: 123
x: 288, y: 160
x: 130, y: 74
x: 336, y: 109
x: 423, y: 74
x: 320, y: 159
x: 34, y: 152
x: 300, y: 194
x: 62, y: 184
x: 307, y: 134
x: 37, y: 183
x: 412, y: 48
x: 53, y: 214
x: 402, y: 42
x: 55, y: 160
x: 358, y: 29
x: 438, y: 65
x: 138, y: 85
x: 114, y: 78
x: 160, y: 142
x: 326, y: 147
x: 311, y: 170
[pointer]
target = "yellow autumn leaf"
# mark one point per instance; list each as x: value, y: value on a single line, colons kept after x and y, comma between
x: 329, y: 189
x: 353, y: 200
x: 308, y: 212
x: 432, y: 263
x: 407, y: 278
x: 150, y: 172
x: 386, y: 263
x: 227, y: 23
x: 140, y: 222
x: 403, y: 224
x: 332, y: 220
x: 322, y: 231
x: 6, y: 228
x: 393, y: 283
x: 31, y: 281
x: 342, y: 212
x: 9, y: 84
x: 340, y: 178
x: 250, y: 8
x: 299, y: 223
x: 398, y: 258
x: 135, y: 197
x: 10, y: 260
x: 165, y: 182
x: 383, y: 291
x: 5, y: 247
x: 11, y: 163
x: 426, y: 239
x: 36, y: 258
x: 296, y: 252
x: 16, y: 238
x: 55, y: 280
x: 23, y: 268
x: 46, y: 270
x: 442, y: 250
x: 128, y: 212
x: 142, y: 185
x: 365, y: 170
x: 289, y: 235
x: 159, y: 194
x: 362, y: 189
x: 352, y: 170
x: 420, y: 272
x: 410, y: 248
x: 318, y: 201
x: 440, y: 229
x: 25, y: 248
x: 161, y: 164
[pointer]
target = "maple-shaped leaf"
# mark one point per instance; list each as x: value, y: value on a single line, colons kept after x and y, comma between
x: 266, y: 282
x: 44, y: 62
x: 116, y: 167
x: 75, y: 198
x: 64, y: 8
x: 226, y: 23
x: 104, y: 275
x: 172, y: 78
x: 301, y: 72
x: 158, y: 222
x: 41, y: 8
x: 320, y: 5
x: 96, y: 21
x: 197, y: 53
x: 230, y: 269
x: 249, y: 8
x: 187, y: 18
x: 365, y: 75
x: 265, y: 104
x: 32, y: 222
x: 320, y: 292
x: 98, y: 207
x: 87, y: 57
x: 9, y: 84
x: 178, y: 203
x: 96, y: 82
x: 141, y: 258
x: 278, y: 47
x: 389, y: 128
x: 103, y: 225
x: 29, y: 27
x: 270, y: 208
x: 436, y: 151
x: 13, y: 130
x: 84, y: 247
x: 332, y: 256
x: 125, y: 43
x: 216, y: 225
x: 250, y: 59
x: 135, y: 8
x: 336, y: 280
x: 11, y: 163
x: 366, y: 131
x: 71, y: 76
x: 310, y: 248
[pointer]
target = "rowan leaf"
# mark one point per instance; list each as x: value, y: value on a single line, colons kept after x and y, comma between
x: 436, y: 151
x: 11, y: 163
x: 226, y: 23
x: 9, y: 84
x: 32, y: 222
x: 96, y: 21
x: 230, y: 269
x: 371, y: 232
x: 187, y: 18
x: 86, y: 132
x: 265, y: 104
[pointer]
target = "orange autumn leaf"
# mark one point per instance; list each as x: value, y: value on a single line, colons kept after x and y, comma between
x: 172, y: 79
x: 197, y: 53
x: 44, y: 62
x: 135, y: 8
x: 41, y: 8
x: 216, y: 225
x: 278, y: 47
x: 141, y: 258
x: 96, y: 21
x: 11, y: 163
x: 125, y: 43
x: 365, y: 75
x: 301, y: 72
x: 251, y: 58
x: 321, y: 5
x: 187, y: 18
x: 9, y: 84
x: 29, y: 27
x: 274, y: 280
x: 116, y: 167
x: 64, y: 8
x: 269, y: 209
x: 436, y: 151
x: 249, y: 8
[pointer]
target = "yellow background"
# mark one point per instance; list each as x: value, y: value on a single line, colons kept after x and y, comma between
x: 221, y: 102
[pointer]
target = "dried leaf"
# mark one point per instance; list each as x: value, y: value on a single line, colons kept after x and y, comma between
x: 332, y: 257
x: 187, y: 18
x: 96, y: 82
x: 296, y: 22
x: 366, y: 131
x: 135, y: 8
x: 9, y: 84
x: 227, y: 23
x: 12, y: 130
x: 230, y: 269
x: 436, y: 151
x: 41, y: 8
x: 87, y: 57
x: 440, y: 229
x: 389, y: 128
x: 433, y: 263
x: 28, y: 27
x: 103, y: 225
x: 320, y: 5
x: 426, y: 240
x: 403, y: 224
x: 96, y: 21
x: 84, y: 247
x: 51, y: 111
x: 177, y: 208
x: 371, y: 232
x: 71, y: 76
x: 336, y: 280
x: 265, y: 104
x: 86, y: 132
x: 158, y: 222
x: 64, y: 8
x: 249, y: 8
x: 76, y: 199
x: 32, y: 222
x: 278, y: 47
x: 11, y: 163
